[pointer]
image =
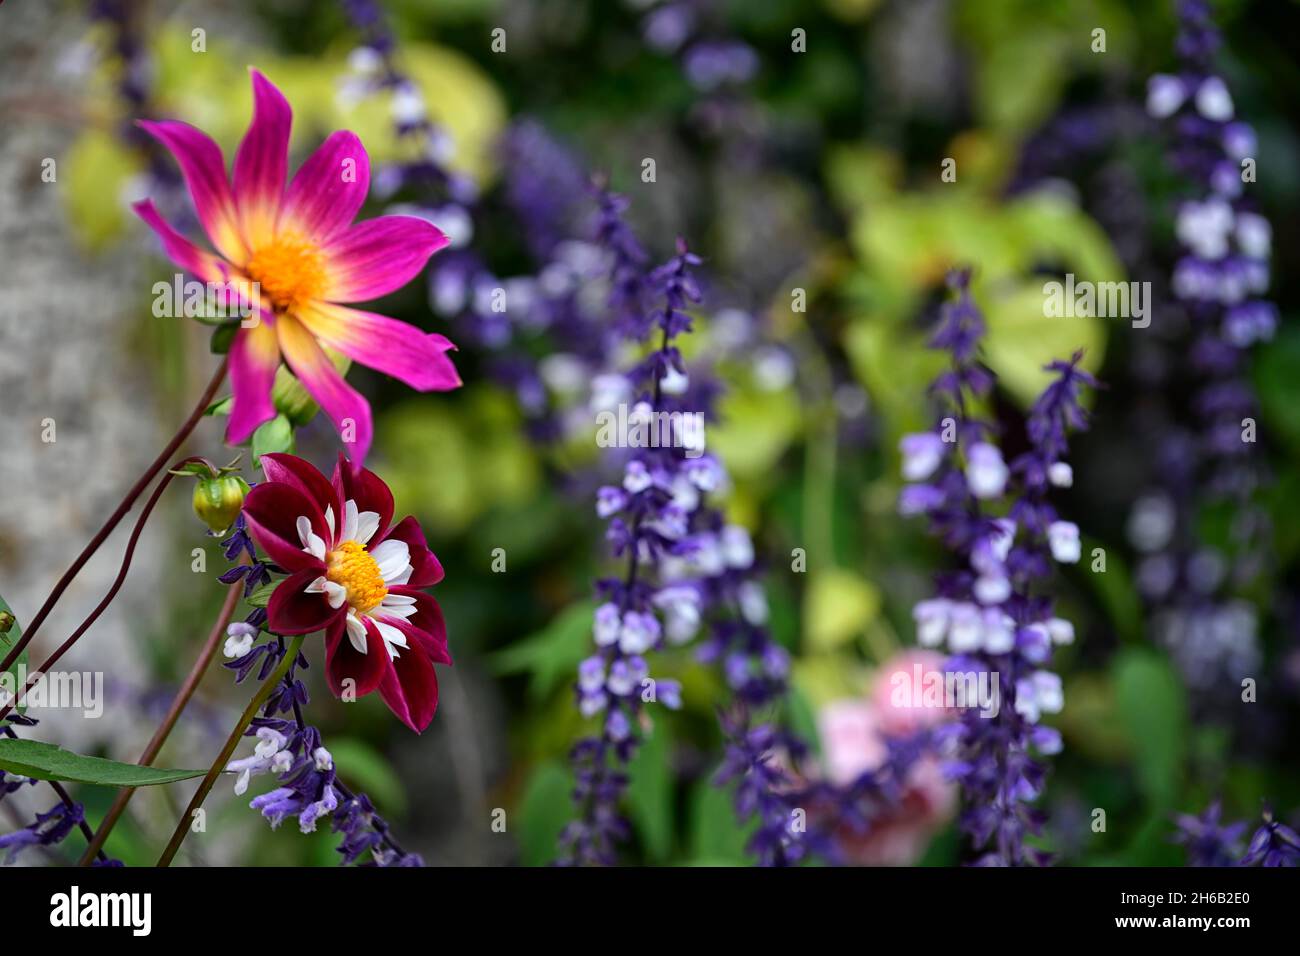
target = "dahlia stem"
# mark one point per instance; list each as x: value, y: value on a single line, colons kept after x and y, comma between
x: 223, y: 758
x: 116, y: 517
x: 108, y: 598
x: 178, y: 705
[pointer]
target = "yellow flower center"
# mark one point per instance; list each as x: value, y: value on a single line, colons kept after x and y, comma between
x: 351, y: 566
x: 290, y: 272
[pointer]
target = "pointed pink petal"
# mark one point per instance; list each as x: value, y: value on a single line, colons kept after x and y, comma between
x: 373, y: 258
x: 416, y: 358
x: 262, y: 161
x: 292, y: 610
x: 426, y: 570
x: 328, y: 190
x: 349, y: 411
x: 410, y: 689
x: 200, y: 263
x: 205, y: 174
x: 368, y: 490
x: 254, y: 357
x: 343, y: 661
x: 303, y: 475
x: 272, y: 510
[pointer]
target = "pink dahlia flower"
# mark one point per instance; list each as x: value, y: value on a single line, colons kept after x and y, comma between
x: 307, y: 257
x: 357, y: 577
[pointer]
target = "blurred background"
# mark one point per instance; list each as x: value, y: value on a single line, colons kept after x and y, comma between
x: 798, y: 145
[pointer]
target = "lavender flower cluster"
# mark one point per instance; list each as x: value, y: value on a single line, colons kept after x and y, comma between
x: 990, y: 612
x: 1218, y: 281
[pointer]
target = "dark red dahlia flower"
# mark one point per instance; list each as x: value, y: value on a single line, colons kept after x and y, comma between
x: 357, y: 577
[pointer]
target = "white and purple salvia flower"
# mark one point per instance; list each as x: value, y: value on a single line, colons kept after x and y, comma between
x: 1218, y: 283
x: 646, y: 528
x: 688, y: 571
x: 989, y: 611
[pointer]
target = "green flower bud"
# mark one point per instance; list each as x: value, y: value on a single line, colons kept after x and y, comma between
x: 290, y: 398
x: 217, y: 500
x: 6, y: 622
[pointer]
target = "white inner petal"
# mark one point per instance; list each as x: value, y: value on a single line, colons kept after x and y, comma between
x: 367, y: 525
x: 393, y: 637
x: 349, y: 532
x: 329, y: 519
x: 393, y: 557
x: 356, y: 632
x: 311, y: 541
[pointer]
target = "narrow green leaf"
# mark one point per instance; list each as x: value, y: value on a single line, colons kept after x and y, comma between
x: 32, y: 758
x: 546, y: 807
x: 650, y: 792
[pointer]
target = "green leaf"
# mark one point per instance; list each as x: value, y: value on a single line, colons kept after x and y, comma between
x: 272, y: 436
x: 840, y: 605
x: 1279, y: 386
x: 9, y: 680
x: 32, y: 758
x: 552, y: 654
x: 260, y: 597
x: 1152, y: 705
x: 650, y: 792
x: 546, y: 807
x: 220, y: 407
x: 716, y: 837
x: 222, y: 336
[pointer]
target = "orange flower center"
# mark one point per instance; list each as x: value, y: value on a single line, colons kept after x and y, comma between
x: 290, y: 272
x: 352, y: 567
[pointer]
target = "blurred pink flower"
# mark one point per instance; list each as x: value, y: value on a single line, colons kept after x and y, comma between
x: 854, y: 735
x: 898, y: 693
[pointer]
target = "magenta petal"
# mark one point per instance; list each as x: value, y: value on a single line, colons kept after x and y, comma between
x: 272, y: 510
x: 352, y: 482
x: 307, y: 478
x: 254, y: 358
x: 349, y: 411
x: 262, y: 160
x: 292, y: 610
x: 372, y: 258
x: 328, y: 190
x: 410, y: 689
x: 426, y: 569
x: 343, y: 662
x: 198, y: 262
x: 205, y: 174
x: 386, y: 345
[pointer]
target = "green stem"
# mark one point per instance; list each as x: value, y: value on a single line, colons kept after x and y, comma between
x: 223, y: 758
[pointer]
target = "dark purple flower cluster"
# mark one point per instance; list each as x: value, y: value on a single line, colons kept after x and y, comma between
x: 51, y: 827
x: 990, y: 611
x: 1218, y: 285
x: 255, y: 573
x: 1274, y: 844
x: 1211, y: 843
x: 1208, y: 841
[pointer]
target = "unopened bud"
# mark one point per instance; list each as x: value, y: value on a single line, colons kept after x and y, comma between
x: 218, y: 500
